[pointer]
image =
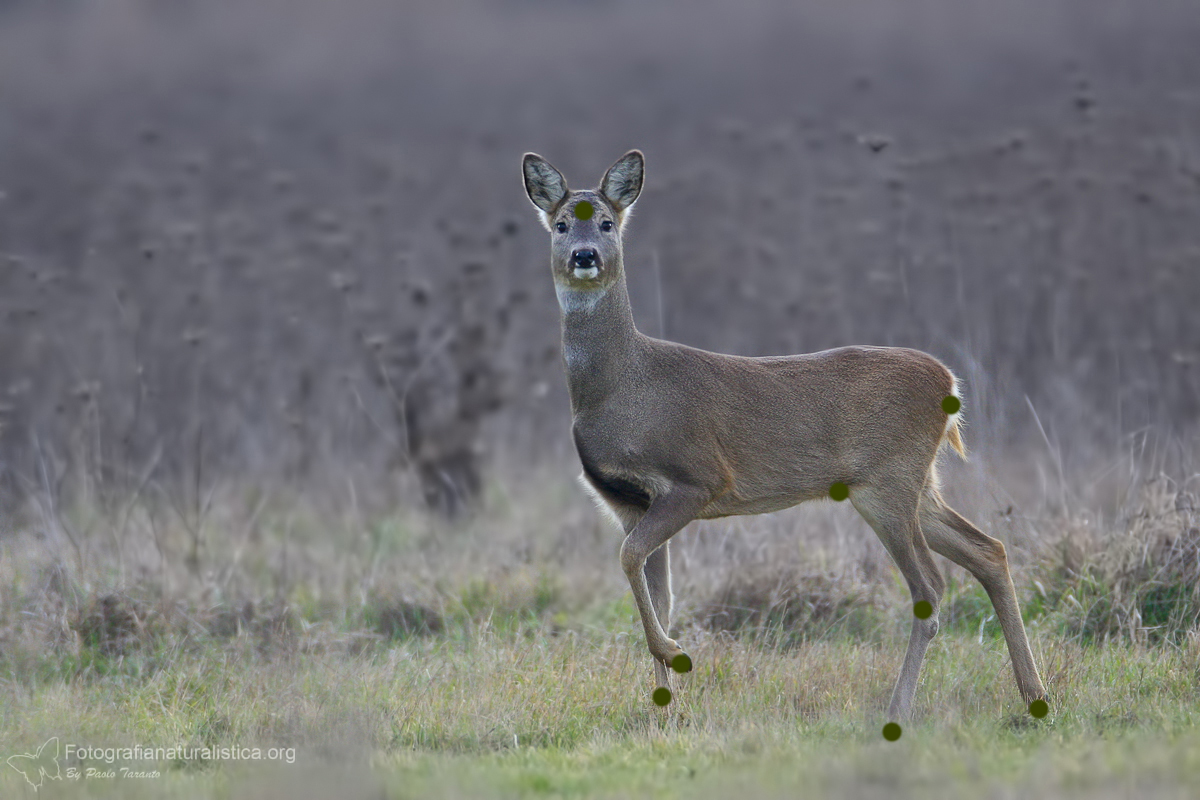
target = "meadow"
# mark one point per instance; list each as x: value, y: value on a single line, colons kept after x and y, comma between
x: 404, y: 656
x: 284, y: 440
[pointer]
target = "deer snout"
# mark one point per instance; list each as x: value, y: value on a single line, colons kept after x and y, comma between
x: 585, y: 263
x: 583, y: 258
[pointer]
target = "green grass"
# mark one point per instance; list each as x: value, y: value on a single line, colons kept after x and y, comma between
x: 569, y: 714
x: 503, y: 658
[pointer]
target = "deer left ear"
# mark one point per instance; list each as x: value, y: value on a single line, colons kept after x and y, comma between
x: 623, y: 182
x: 545, y: 185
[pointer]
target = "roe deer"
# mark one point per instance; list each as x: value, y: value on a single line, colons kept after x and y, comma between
x: 669, y: 433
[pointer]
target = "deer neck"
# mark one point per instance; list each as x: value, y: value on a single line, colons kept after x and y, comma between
x: 599, y: 340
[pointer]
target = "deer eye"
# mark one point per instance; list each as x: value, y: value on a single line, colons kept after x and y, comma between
x: 562, y: 227
x: 606, y: 225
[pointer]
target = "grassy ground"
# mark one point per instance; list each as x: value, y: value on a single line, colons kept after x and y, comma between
x: 286, y: 241
x: 400, y: 657
x: 538, y: 714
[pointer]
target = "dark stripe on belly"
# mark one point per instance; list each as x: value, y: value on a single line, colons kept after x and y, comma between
x: 612, y: 487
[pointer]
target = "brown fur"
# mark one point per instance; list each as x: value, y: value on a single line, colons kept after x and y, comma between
x: 668, y: 433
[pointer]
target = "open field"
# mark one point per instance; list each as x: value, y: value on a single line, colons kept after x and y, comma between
x: 233, y: 239
x: 538, y: 715
x: 402, y: 656
x: 285, y: 457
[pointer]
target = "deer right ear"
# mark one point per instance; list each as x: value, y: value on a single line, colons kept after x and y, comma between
x: 544, y: 184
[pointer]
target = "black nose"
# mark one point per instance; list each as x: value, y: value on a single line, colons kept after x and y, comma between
x: 585, y: 258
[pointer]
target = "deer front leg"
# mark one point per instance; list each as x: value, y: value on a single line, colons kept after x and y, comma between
x: 666, y: 516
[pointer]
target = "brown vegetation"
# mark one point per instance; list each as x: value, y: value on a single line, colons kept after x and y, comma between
x: 269, y: 290
x: 226, y: 251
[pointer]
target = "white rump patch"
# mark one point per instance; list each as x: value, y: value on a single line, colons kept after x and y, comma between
x: 954, y: 392
x: 952, y: 420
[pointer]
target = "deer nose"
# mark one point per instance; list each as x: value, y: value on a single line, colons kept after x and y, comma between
x: 584, y: 258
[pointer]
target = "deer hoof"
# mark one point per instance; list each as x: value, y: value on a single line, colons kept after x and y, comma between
x: 682, y: 663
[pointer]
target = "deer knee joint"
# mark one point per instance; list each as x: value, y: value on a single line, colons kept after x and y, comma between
x: 633, y: 556
x: 999, y: 555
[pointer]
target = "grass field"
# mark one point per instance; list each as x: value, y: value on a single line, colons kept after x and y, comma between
x: 285, y: 452
x: 401, y: 656
x: 514, y: 714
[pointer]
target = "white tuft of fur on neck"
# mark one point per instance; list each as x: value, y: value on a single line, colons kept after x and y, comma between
x: 572, y: 301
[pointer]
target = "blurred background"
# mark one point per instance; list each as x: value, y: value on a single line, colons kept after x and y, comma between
x: 285, y: 241
x: 285, y: 452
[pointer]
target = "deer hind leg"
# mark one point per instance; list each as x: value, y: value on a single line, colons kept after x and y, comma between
x: 658, y: 581
x: 953, y: 536
x: 892, y: 512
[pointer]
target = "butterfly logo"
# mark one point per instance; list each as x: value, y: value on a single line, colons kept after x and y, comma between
x: 36, y: 767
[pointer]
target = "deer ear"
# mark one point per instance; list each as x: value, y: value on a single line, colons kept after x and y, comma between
x: 623, y: 182
x: 544, y: 184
